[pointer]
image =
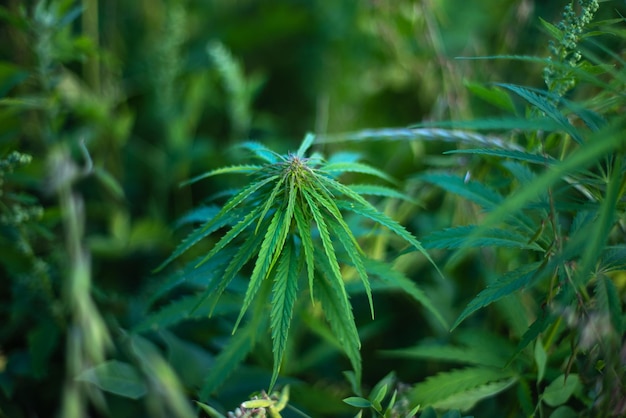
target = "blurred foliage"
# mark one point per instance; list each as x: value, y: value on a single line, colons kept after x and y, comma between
x: 107, y: 106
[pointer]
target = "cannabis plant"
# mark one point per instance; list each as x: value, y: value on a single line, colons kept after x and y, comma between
x: 290, y: 221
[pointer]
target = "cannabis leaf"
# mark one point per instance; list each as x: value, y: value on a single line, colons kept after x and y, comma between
x: 289, y: 220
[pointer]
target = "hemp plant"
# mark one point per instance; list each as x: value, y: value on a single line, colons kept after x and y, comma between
x: 290, y: 219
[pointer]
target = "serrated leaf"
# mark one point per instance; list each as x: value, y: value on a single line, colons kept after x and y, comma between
x: 354, y: 167
x: 467, y: 399
x: 116, y: 377
x: 478, y: 356
x: 241, y: 169
x: 460, y: 388
x: 284, y: 294
x: 362, y: 207
x: 472, y: 191
x: 522, y: 277
x: 237, y: 349
x: 597, y: 240
x: 200, y: 214
x: 459, y: 237
x: 225, y: 216
x: 561, y: 389
x: 512, y: 154
x: 261, y: 151
x: 185, y: 308
x: 355, y: 254
x: 304, y: 230
x: 375, y: 190
x: 338, y: 312
x: 534, y: 330
x: 329, y: 251
x: 547, y: 107
x: 232, y: 233
x: 600, y: 144
x: 263, y: 262
x: 395, y: 279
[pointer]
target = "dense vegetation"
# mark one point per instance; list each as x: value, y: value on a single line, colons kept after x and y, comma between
x: 301, y: 208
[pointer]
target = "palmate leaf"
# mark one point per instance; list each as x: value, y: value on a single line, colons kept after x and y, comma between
x: 284, y: 293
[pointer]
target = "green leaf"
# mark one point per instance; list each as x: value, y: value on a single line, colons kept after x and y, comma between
x: 304, y: 230
x: 561, y: 389
x: 459, y: 237
x: 504, y: 153
x: 523, y: 277
x: 362, y: 207
x: 396, y: 280
x: 355, y: 254
x: 358, y: 402
x: 242, y: 169
x: 237, y: 349
x: 600, y: 144
x: 261, y: 151
x: 564, y: 412
x: 230, y: 235
x: 338, y: 312
x: 209, y: 410
x: 116, y: 377
x: 354, y: 167
x: 375, y: 190
x: 329, y: 251
x: 472, y: 190
x: 246, y: 251
x: 596, y: 243
x: 185, y: 308
x: 461, y: 389
x: 225, y: 216
x: 284, y: 294
x: 479, y: 356
x: 492, y: 96
x: 544, y: 105
x: 263, y: 262
x: 306, y: 144
x: 541, y: 358
x: 608, y: 300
